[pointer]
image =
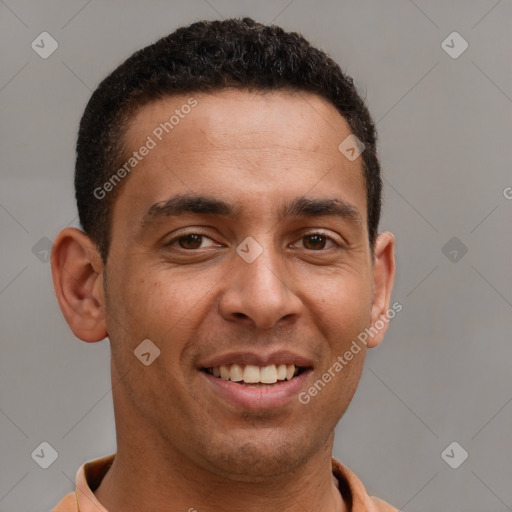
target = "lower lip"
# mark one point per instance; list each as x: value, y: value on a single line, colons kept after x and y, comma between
x: 249, y: 397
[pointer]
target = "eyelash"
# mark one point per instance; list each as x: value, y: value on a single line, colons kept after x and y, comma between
x: 177, y: 238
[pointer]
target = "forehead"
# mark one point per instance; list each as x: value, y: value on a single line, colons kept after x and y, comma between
x: 229, y: 117
x: 228, y: 109
x: 248, y: 148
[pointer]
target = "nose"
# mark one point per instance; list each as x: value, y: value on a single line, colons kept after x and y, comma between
x: 260, y: 292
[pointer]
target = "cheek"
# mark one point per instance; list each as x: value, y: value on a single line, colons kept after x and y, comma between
x: 165, y: 309
x: 154, y: 308
x: 155, y: 302
x: 346, y: 311
x: 342, y: 305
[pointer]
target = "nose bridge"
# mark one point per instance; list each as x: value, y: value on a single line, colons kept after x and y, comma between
x: 265, y: 270
x: 258, y: 284
x: 260, y: 265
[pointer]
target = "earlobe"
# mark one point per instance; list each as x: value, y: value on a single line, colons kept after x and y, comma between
x: 383, y: 279
x: 77, y: 272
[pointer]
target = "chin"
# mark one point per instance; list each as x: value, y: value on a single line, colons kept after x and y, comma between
x: 258, y: 456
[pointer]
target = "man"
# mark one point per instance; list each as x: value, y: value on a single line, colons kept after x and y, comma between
x: 229, y: 192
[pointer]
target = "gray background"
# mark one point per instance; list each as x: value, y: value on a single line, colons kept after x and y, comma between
x: 443, y: 372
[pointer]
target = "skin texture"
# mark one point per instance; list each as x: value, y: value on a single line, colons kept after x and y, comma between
x: 180, y: 444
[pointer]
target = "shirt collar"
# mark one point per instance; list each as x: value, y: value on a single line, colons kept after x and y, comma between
x: 90, y: 475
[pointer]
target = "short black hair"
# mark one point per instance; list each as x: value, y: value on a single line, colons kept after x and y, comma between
x: 209, y: 56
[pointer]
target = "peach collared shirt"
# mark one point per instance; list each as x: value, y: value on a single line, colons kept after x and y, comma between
x: 89, y: 477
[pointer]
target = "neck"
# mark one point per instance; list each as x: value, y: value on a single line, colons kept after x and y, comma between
x: 160, y: 485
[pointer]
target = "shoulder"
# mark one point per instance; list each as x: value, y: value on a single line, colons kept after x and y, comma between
x: 382, y: 506
x: 67, y: 504
x: 356, y: 493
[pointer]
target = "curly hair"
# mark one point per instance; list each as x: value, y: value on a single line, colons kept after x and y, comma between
x: 204, y: 57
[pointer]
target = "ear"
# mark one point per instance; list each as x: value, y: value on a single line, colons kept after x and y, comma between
x: 383, y: 278
x: 77, y: 271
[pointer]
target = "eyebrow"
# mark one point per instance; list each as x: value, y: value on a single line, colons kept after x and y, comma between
x: 207, y: 205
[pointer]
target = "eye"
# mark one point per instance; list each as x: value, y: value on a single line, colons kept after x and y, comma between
x: 317, y: 241
x: 312, y: 241
x: 189, y: 241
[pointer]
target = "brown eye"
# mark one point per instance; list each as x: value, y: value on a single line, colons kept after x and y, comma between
x: 192, y: 241
x: 315, y: 242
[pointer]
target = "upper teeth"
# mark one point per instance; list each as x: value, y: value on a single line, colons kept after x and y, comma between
x: 251, y: 374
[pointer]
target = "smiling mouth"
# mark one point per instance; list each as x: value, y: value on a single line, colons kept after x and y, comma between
x: 257, y: 376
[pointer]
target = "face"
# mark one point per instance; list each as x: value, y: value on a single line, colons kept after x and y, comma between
x: 272, y: 267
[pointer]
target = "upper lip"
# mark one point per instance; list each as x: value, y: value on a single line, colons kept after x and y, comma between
x: 256, y: 359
